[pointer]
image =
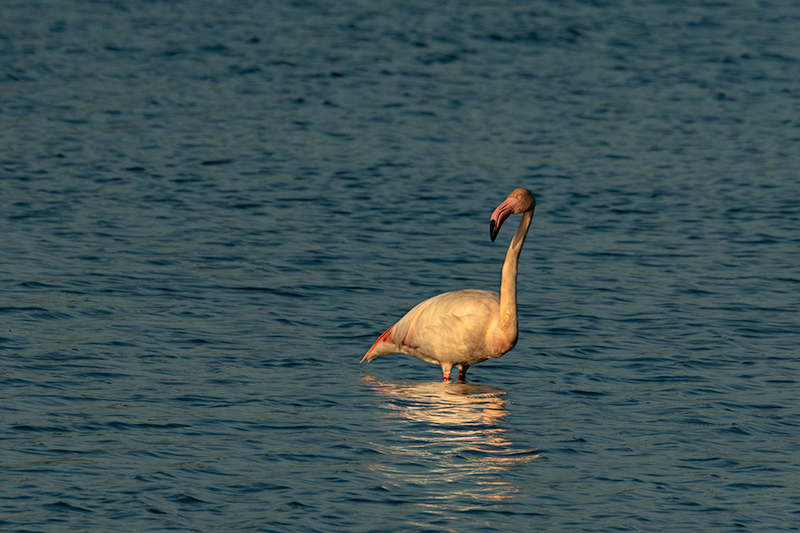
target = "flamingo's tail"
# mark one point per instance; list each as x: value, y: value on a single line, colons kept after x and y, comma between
x: 384, y: 345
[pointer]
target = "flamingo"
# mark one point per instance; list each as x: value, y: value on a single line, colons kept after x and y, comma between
x: 466, y: 327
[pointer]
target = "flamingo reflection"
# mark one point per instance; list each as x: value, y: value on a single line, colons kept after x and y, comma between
x: 449, y: 432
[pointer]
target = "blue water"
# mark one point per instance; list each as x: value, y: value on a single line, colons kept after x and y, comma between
x: 210, y: 210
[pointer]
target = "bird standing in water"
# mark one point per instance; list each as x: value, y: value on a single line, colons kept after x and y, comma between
x: 466, y: 327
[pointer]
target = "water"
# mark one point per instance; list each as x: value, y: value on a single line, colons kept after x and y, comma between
x: 210, y: 210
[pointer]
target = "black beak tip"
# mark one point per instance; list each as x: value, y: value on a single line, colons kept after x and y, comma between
x: 493, y: 230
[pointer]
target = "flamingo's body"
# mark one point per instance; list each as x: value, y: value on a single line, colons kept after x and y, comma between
x: 465, y: 327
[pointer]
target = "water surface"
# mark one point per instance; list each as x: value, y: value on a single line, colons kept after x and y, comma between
x: 210, y: 211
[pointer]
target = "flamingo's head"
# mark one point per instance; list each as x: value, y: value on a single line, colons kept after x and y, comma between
x: 519, y: 201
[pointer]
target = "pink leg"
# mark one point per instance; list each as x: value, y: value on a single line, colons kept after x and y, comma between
x: 446, y: 368
x: 462, y: 374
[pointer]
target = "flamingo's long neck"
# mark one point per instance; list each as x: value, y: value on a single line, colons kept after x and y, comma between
x: 508, y: 283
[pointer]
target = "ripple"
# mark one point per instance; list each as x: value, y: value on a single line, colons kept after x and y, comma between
x: 202, y: 235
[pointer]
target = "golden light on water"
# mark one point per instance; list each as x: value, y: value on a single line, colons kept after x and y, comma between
x: 466, y: 442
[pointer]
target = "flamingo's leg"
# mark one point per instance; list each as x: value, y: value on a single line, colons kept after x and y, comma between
x: 462, y: 372
x: 446, y: 368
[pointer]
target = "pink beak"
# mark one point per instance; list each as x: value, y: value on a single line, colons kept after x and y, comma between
x: 500, y: 215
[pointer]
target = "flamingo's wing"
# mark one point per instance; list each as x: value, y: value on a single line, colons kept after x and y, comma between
x: 442, y: 328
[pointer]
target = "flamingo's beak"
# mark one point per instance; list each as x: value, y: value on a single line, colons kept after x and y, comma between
x: 500, y: 214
